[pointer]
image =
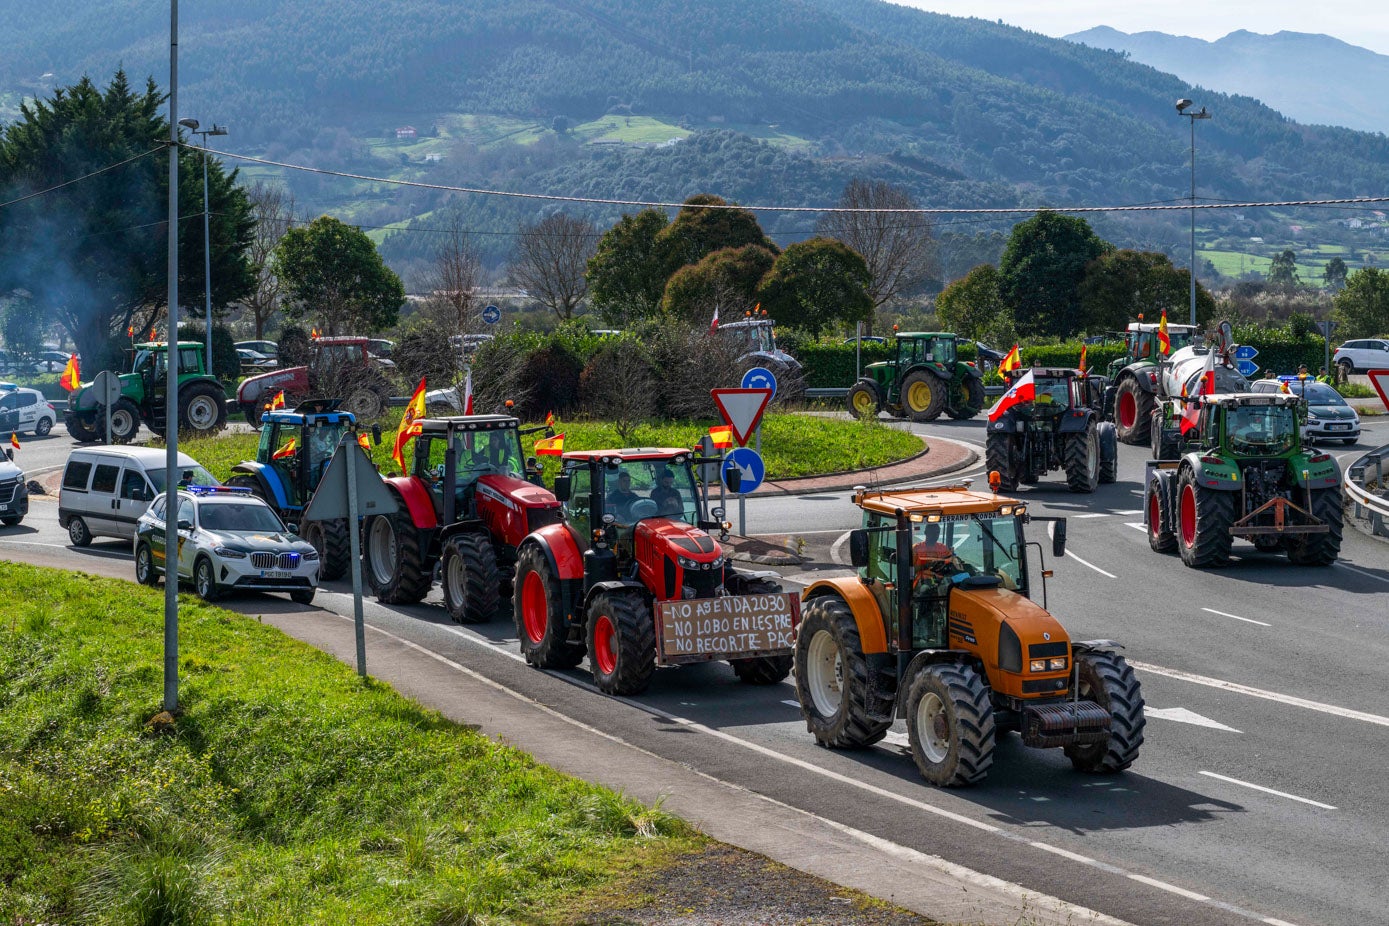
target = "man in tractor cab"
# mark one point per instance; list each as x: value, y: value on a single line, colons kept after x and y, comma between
x: 620, y: 496
x: 931, y: 559
x: 666, y: 495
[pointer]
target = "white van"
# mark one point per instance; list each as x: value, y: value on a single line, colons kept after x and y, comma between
x: 106, y: 489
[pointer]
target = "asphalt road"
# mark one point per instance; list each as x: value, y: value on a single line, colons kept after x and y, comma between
x: 1256, y: 797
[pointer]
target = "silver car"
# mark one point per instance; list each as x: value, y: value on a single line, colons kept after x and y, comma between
x: 1329, y: 417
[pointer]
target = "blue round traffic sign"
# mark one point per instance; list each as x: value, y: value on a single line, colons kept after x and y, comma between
x: 743, y: 470
x: 491, y: 315
x: 760, y: 378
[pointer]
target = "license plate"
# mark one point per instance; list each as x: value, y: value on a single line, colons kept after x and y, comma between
x: 5, y: 507
x: 275, y: 574
x: 1338, y: 427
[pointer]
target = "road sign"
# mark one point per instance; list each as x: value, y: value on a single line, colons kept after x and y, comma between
x: 1247, y: 368
x: 743, y: 470
x: 330, y: 498
x: 760, y: 378
x: 491, y: 315
x: 741, y: 409
x: 1326, y: 328
x: 1245, y: 352
x: 1380, y: 380
x: 107, y: 388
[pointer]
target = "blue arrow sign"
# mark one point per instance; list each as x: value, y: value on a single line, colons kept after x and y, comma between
x: 1245, y: 352
x: 760, y: 378
x: 491, y: 315
x: 1246, y: 368
x: 743, y: 470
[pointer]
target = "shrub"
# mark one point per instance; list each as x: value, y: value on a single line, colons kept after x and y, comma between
x: 225, y: 362
x: 294, y: 346
x: 423, y: 350
x: 617, y: 386
x: 549, y: 381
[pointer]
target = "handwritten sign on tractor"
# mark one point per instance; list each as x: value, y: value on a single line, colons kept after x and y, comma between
x: 729, y: 626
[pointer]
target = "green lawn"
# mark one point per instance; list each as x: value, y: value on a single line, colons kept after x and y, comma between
x: 288, y: 791
x: 629, y: 130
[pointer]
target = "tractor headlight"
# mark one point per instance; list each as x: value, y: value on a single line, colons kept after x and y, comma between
x: 1058, y: 664
x: 687, y: 563
x: 1038, y: 665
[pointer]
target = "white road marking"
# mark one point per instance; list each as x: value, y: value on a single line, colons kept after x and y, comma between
x: 836, y: 549
x: 794, y: 533
x: 1247, y: 784
x: 1130, y: 511
x: 1368, y: 575
x: 1343, y: 712
x: 1182, y: 715
x: 1081, y: 517
x: 1137, y: 525
x: 1091, y: 565
x: 1247, y: 620
x: 897, y: 739
x: 795, y: 704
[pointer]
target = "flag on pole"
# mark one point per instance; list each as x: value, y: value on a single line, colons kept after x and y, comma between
x: 714, y: 325
x: 550, y: 446
x: 285, y: 451
x: 1164, y: 342
x: 1024, y: 390
x: 14, y: 440
x: 468, y: 393
x: 314, y: 334
x: 279, y: 401
x: 71, y: 380
x: 722, y: 436
x: 364, y: 443
x: 1191, y: 415
x: 409, y: 425
x: 550, y: 420
x: 130, y: 332
x: 1011, y: 360
x: 1082, y: 367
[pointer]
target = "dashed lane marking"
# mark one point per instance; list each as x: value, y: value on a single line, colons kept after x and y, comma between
x: 1250, y: 784
x: 1247, y: 620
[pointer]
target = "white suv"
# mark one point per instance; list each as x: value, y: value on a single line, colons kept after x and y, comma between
x: 1365, y: 354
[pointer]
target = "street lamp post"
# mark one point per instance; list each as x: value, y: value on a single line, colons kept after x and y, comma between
x: 1182, y: 106
x: 192, y: 126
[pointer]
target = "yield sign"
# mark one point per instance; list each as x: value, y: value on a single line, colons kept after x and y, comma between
x: 1378, y: 378
x: 741, y: 409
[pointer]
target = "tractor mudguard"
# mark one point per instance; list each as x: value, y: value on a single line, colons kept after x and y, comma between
x: 1075, y: 421
x: 872, y: 629
x: 418, y: 502
x: 1223, y: 475
x: 472, y: 525
x: 968, y: 371
x: 611, y: 585
x: 1166, y: 480
x: 1145, y: 374
x: 561, y: 547
x: 269, y: 480
x: 1321, y: 469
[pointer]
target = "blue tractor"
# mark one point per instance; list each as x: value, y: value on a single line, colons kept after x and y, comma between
x: 295, y: 448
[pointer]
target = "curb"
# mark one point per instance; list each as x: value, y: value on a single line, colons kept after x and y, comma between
x: 865, y: 476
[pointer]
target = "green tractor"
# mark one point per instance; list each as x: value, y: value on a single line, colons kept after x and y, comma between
x: 1242, y: 471
x: 923, y: 380
x: 1135, y: 380
x: 202, y: 403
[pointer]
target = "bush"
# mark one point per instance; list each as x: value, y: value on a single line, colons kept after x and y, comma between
x: 691, y: 363
x: 1281, y: 350
x: 549, y: 381
x: 423, y: 351
x: 294, y: 346
x: 617, y: 385
x: 830, y: 366
x: 225, y: 362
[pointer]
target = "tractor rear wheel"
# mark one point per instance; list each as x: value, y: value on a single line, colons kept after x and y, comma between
x: 252, y: 411
x: 394, y: 560
x: 1319, y: 549
x: 82, y: 431
x: 621, y: 642
x: 1133, y: 409
x: 834, y: 681
x: 125, y: 421
x: 969, y: 399
x: 1160, y: 522
x: 364, y: 403
x: 950, y: 724
x: 333, y: 544
x: 246, y: 481
x: 470, y: 578
x: 864, y: 401
x: 1109, y: 452
x: 761, y: 670
x: 540, y: 622
x: 1203, y: 522
x: 923, y: 396
x: 1082, y: 461
x: 998, y: 458
x: 203, y: 409
x: 1107, y: 680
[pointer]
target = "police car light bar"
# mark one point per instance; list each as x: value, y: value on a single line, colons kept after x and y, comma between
x: 215, y: 490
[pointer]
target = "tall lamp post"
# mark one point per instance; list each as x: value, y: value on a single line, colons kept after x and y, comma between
x: 192, y: 126
x: 1182, y: 106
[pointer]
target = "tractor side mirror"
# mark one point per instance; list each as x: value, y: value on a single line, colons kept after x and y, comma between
x: 292, y: 527
x: 858, y: 548
x: 1058, y: 539
x: 563, y: 487
x: 376, y: 434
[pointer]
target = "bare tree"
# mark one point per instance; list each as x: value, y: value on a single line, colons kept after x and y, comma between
x: 273, y: 208
x: 453, y: 280
x: 551, y: 259
x: 898, y: 247
x: 618, y: 386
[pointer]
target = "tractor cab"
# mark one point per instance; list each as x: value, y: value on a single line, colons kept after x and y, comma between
x: 298, y: 444
x: 473, y: 463
x: 929, y: 347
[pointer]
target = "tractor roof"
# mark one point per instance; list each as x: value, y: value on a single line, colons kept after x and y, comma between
x: 1231, y: 399
x: 911, y: 335
x: 468, y: 423
x: 943, y: 500
x: 1054, y: 372
x: 1145, y: 326
x: 341, y: 339
x: 747, y: 323
x: 298, y: 417
x: 629, y: 453
x: 163, y: 345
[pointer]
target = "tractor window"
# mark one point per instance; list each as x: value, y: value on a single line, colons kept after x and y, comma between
x: 943, y: 351
x: 1179, y: 339
x: 1053, y: 392
x: 267, y: 442
x: 1262, y: 429
x: 578, y: 510
x: 189, y: 360
x: 323, y: 441
x: 882, y: 550
x: 651, y: 488
x: 481, y: 453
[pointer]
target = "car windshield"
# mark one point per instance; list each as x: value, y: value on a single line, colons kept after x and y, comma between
x: 639, y: 489
x: 239, y: 516
x: 1262, y: 429
x: 193, y: 475
x: 1317, y: 393
x: 984, y: 545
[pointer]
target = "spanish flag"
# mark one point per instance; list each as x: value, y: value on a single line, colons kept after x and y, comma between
x: 14, y: 440
x: 1164, y: 342
x: 722, y: 435
x: 1011, y: 361
x: 314, y: 334
x: 364, y: 443
x: 550, y: 446
x: 71, y: 379
x: 285, y: 451
x: 409, y: 425
x: 1081, y: 367
x: 550, y: 420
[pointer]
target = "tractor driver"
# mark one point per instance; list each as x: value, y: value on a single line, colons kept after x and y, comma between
x: 931, y: 559
x: 666, y: 495
x: 621, y: 496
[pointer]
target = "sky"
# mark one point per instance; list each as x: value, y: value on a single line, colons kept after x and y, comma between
x: 1363, y: 24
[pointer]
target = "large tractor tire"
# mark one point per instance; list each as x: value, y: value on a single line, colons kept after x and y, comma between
x: 365, y: 403
x: 950, y: 724
x: 999, y: 458
x: 1161, y: 535
x: 82, y: 431
x: 761, y: 670
x: 968, y: 399
x: 540, y: 623
x: 1082, y: 461
x: 125, y: 421
x: 1166, y: 441
x: 469, y: 578
x: 833, y: 679
x: 923, y: 396
x: 505, y: 555
x: 1203, y: 522
x: 1319, y: 549
x: 1133, y: 411
x: 621, y: 642
x: 202, y: 408
x: 252, y: 411
x: 1107, y: 680
x: 393, y: 559
x: 1109, y: 452
x: 247, y: 481
x: 334, y: 546
x: 864, y: 399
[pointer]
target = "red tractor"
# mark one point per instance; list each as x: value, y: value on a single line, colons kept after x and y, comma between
x: 632, y: 579
x: 340, y: 366
x: 469, y: 500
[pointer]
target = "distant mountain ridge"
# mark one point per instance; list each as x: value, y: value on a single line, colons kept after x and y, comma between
x: 1315, y: 79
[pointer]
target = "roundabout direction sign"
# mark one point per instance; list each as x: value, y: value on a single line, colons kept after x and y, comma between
x: 760, y: 378
x: 743, y: 471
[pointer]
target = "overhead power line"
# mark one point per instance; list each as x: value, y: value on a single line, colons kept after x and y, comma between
x: 94, y: 173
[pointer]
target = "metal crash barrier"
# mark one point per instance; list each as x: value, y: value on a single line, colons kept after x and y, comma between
x: 1366, y: 490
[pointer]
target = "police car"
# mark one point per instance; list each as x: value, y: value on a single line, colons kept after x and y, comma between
x: 25, y: 410
x: 1329, y: 417
x: 228, y: 540
x: 14, y: 495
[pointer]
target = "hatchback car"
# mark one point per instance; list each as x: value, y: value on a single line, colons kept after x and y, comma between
x: 25, y: 410
x: 228, y: 540
x: 14, y: 492
x: 268, y: 348
x: 1362, y: 355
x: 1329, y: 417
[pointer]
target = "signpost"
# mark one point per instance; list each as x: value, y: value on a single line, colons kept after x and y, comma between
x: 1326, y: 328
x: 351, y: 487
x: 491, y: 315
x: 107, y: 387
x: 1244, y: 360
x: 1380, y: 380
x: 741, y: 409
x: 760, y: 378
x: 742, y: 473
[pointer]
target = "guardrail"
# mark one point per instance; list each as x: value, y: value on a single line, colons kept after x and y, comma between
x: 1369, y: 506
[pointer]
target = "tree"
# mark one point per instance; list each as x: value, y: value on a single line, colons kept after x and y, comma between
x: 550, y: 259
x: 1041, y: 269
x: 22, y: 327
x: 1362, y: 307
x: 618, y: 385
x: 972, y: 307
x: 272, y: 207
x: 93, y: 255
x: 625, y: 279
x: 1283, y: 270
x: 453, y: 281
x: 1335, y: 274
x: 333, y: 277
x: 726, y: 279
x: 816, y: 284
x: 897, y: 247
x: 698, y: 231
x: 1120, y: 285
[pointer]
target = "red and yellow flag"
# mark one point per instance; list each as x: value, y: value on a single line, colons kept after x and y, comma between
x: 1082, y: 367
x: 722, y: 436
x: 285, y: 451
x: 409, y: 425
x: 1164, y: 342
x: 1011, y: 361
x: 278, y: 401
x: 364, y: 443
x: 130, y: 332
x: 550, y: 446
x: 71, y: 379
x: 14, y: 440
x: 550, y: 420
x: 313, y: 333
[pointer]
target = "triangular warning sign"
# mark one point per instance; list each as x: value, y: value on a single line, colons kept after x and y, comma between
x: 741, y: 409
x: 1380, y: 380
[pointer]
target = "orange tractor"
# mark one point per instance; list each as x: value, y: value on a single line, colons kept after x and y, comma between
x: 939, y: 628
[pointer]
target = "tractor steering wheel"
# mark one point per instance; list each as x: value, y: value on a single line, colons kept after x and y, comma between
x: 641, y: 508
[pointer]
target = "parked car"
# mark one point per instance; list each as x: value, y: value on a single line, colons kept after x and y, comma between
x: 228, y: 540
x: 468, y: 344
x: 15, y: 365
x: 1361, y: 355
x: 25, y: 410
x: 106, y: 489
x: 52, y: 361
x: 867, y: 339
x: 253, y: 361
x: 268, y: 348
x: 1329, y: 417
x: 380, y: 347
x: 14, y: 492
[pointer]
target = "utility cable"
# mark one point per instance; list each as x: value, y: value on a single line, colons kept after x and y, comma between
x: 83, y: 177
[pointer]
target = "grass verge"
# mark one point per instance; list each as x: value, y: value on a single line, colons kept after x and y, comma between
x: 287, y: 791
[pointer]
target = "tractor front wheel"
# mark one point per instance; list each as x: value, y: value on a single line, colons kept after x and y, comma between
x: 1319, y: 549
x: 540, y: 622
x: 82, y: 431
x: 125, y: 421
x: 950, y: 724
x: 621, y: 642
x: 923, y: 396
x: 1133, y: 410
x: 864, y: 400
x: 470, y: 578
x: 1160, y: 522
x: 1107, y: 680
x: 1203, y: 522
x: 1083, y: 461
x: 394, y: 560
x: 203, y: 409
x: 1109, y: 452
x: 834, y: 681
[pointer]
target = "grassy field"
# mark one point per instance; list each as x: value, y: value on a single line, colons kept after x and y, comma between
x: 287, y: 791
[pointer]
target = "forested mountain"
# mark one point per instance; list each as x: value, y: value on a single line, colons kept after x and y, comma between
x: 1311, y: 78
